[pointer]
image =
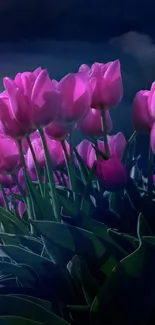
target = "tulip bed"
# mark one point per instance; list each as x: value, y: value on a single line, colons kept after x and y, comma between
x: 77, y: 229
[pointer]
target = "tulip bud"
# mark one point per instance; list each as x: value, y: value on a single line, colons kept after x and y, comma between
x: 141, y: 118
x: 111, y: 174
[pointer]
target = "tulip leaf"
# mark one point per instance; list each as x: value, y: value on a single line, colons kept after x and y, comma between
x: 43, y: 303
x: 74, y: 240
x: 115, y: 201
x: 14, y: 320
x: 24, y: 276
x: 44, y: 210
x: 68, y: 206
x: 11, y: 223
x: 129, y: 243
x: 142, y: 228
x: 101, y: 230
x: 32, y: 243
x: 16, y: 306
x: 134, y: 195
x: 38, y: 263
x: 84, y: 171
x: 81, y: 274
x: 128, y: 294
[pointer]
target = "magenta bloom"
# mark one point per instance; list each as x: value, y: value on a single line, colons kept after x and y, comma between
x: 111, y: 174
x: 116, y: 143
x: 7, y: 181
x: 20, y: 209
x: 55, y: 151
x: 152, y: 138
x: 9, y: 155
x: 76, y: 97
x: 151, y: 101
x: 86, y: 152
x: 57, y: 131
x: 141, y: 117
x: 106, y: 83
x: 28, y: 102
x: 90, y: 125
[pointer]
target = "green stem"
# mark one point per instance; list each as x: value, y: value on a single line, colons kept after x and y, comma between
x: 127, y: 148
x: 58, y: 177
x: 72, y: 165
x: 69, y: 166
x: 63, y: 179
x: 104, y: 130
x: 55, y: 202
x: 28, y: 197
x: 19, y: 186
x: 97, y: 157
x: 36, y: 166
x: 150, y: 177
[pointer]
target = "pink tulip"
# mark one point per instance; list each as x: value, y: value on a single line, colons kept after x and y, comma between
x: 30, y: 101
x: 151, y: 100
x: 7, y: 181
x: 106, y: 83
x: 91, y: 126
x: 141, y: 117
x: 55, y: 152
x: 86, y: 152
x: 116, y: 143
x: 21, y: 179
x: 57, y: 131
x: 32, y: 136
x: 1, y: 200
x: 21, y: 209
x: 75, y: 94
x: 9, y: 155
x: 152, y: 138
x: 111, y: 174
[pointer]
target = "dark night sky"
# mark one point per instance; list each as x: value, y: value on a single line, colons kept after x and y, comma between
x: 91, y: 20
x: 62, y: 34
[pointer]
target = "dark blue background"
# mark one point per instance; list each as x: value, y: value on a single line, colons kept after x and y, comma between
x: 62, y: 34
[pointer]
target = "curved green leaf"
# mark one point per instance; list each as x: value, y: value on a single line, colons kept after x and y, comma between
x: 12, y: 223
x: 32, y: 243
x: 128, y: 295
x: 43, y: 303
x: 38, y: 263
x: 13, y: 320
x: 18, y: 271
x: 15, y: 306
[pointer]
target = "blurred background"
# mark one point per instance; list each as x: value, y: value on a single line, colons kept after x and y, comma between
x: 60, y: 35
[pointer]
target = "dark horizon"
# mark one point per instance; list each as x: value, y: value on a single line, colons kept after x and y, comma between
x: 93, y: 21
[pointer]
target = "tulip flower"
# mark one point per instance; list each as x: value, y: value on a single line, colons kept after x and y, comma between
x: 91, y: 125
x: 116, y: 144
x: 32, y: 136
x: 9, y: 155
x: 1, y: 200
x: 152, y: 138
x: 141, y: 117
x: 75, y: 95
x: 106, y: 82
x: 21, y: 208
x: 29, y: 101
x: 55, y: 152
x: 151, y: 100
x: 57, y: 131
x: 111, y: 174
x: 7, y: 181
x: 86, y: 152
